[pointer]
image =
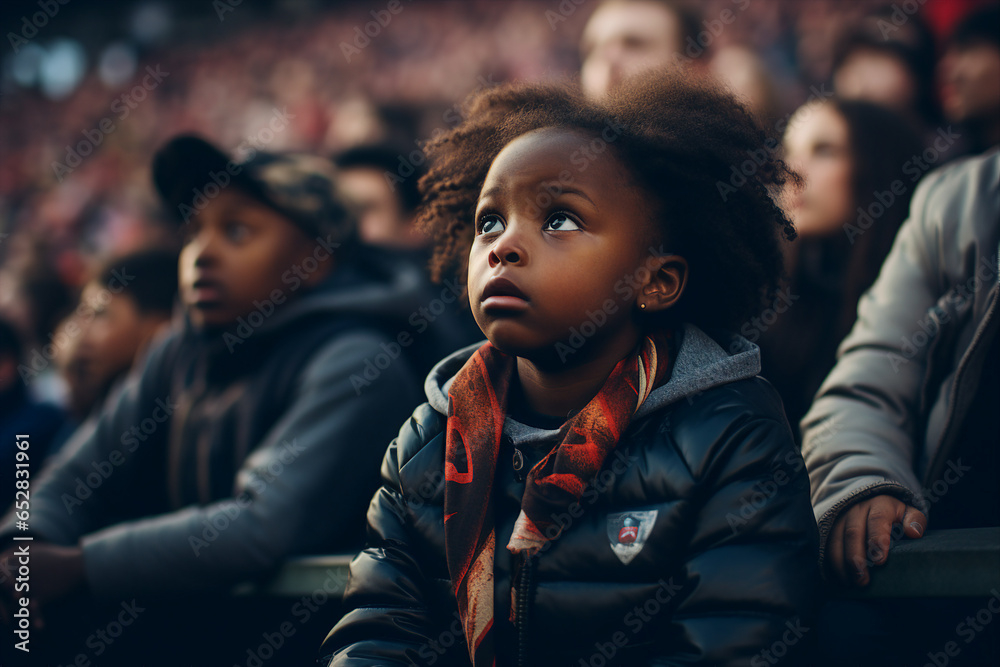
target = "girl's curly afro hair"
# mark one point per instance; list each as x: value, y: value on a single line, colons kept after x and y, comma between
x: 708, y: 169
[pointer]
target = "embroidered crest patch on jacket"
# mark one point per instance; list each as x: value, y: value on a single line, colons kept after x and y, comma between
x: 628, y: 532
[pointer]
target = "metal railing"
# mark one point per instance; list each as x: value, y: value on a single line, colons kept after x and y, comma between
x: 942, y: 563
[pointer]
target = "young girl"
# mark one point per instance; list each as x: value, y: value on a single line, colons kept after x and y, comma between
x: 603, y: 481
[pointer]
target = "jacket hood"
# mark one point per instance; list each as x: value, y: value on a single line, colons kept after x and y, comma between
x: 702, y: 362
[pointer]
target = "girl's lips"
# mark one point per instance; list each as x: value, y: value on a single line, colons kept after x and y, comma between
x: 502, y: 294
x: 504, y: 302
x: 499, y: 286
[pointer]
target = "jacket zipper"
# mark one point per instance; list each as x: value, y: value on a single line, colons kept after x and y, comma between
x: 177, y: 438
x: 518, y: 463
x: 972, y: 356
x: 521, y: 613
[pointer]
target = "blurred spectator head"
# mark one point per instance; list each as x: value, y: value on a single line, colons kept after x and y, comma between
x: 817, y: 145
x: 747, y: 76
x: 386, y: 201
x: 22, y: 410
x: 33, y: 297
x: 124, y: 308
x: 847, y: 152
x: 970, y: 74
x: 624, y: 38
x: 255, y: 231
x: 857, y: 161
x: 888, y: 61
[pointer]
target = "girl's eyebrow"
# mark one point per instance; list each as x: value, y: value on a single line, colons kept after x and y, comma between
x: 580, y: 193
x: 549, y: 186
x: 496, y: 189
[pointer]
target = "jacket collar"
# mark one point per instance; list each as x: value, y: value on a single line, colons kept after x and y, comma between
x: 702, y: 362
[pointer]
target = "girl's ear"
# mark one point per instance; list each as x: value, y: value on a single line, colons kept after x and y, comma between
x: 665, y: 284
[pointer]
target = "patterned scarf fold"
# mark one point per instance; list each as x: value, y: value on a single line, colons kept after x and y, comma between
x: 477, y: 408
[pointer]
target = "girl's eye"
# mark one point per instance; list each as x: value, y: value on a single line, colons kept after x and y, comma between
x: 561, y: 222
x: 490, y: 224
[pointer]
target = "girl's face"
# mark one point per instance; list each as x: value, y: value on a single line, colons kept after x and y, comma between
x: 817, y: 145
x: 561, y: 237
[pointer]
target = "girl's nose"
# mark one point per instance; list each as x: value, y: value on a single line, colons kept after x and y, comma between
x: 508, y: 257
x: 509, y: 249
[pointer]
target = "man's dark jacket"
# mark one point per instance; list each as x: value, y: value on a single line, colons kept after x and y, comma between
x: 230, y: 451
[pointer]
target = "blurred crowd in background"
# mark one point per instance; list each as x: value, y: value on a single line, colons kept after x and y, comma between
x: 861, y: 97
x: 226, y: 72
x: 89, y: 95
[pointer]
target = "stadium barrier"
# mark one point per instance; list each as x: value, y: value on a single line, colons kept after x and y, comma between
x: 943, y: 563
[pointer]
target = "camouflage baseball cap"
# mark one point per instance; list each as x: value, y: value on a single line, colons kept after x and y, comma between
x: 189, y: 171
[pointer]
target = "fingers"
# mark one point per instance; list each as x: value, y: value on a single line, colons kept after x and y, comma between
x: 855, y: 546
x: 914, y: 522
x: 835, y: 548
x: 846, y: 540
x: 861, y: 537
x: 883, y: 512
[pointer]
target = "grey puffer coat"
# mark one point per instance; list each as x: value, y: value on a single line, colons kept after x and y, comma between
x: 887, y: 418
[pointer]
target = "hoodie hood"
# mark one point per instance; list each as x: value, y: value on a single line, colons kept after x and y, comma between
x: 702, y: 362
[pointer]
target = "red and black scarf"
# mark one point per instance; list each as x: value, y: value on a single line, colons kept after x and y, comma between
x: 477, y: 408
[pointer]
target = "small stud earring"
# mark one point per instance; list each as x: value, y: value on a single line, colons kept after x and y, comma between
x: 642, y: 306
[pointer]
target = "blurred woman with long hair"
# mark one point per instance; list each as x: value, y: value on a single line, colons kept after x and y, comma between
x: 859, y: 164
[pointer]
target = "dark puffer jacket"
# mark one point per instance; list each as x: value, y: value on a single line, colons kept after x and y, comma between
x: 719, y: 569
